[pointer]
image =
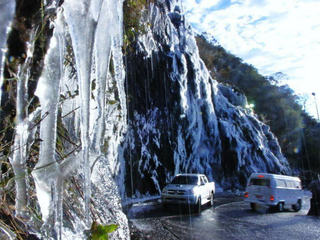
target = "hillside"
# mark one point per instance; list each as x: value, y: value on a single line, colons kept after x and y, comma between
x: 275, y: 104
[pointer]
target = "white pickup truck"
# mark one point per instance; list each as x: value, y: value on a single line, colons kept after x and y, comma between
x: 189, y: 189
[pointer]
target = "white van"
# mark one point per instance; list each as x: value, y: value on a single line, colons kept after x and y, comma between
x: 274, y: 191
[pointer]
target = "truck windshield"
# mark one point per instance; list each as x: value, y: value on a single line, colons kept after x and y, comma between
x: 260, y: 182
x: 189, y: 180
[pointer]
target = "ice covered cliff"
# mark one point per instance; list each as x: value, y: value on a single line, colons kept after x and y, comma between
x: 94, y: 127
x: 181, y: 120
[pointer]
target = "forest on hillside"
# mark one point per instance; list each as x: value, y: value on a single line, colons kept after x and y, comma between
x: 276, y: 105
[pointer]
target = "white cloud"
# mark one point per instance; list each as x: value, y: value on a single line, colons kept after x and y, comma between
x: 209, y: 3
x: 272, y: 35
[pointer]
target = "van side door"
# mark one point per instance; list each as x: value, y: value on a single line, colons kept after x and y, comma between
x: 291, y: 192
x: 281, y: 191
x: 296, y: 191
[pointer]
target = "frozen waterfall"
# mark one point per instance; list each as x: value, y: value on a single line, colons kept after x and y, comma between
x: 181, y: 120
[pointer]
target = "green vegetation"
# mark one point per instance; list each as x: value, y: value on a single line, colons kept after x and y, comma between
x: 100, y: 232
x: 276, y: 105
x: 134, y: 25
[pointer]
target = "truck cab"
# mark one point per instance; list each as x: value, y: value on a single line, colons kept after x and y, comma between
x: 189, y: 189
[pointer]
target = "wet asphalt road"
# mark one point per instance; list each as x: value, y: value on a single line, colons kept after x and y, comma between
x: 229, y: 218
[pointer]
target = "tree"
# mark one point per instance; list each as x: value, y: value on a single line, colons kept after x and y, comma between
x: 275, y: 103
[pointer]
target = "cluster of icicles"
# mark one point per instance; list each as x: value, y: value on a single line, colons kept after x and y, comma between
x: 95, y: 29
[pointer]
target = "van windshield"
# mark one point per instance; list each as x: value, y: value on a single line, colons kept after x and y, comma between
x: 260, y: 182
x: 189, y: 180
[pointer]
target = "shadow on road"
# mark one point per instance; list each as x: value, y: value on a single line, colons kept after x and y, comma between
x: 154, y: 209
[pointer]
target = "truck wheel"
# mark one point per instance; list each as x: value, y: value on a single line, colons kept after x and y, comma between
x: 211, y: 199
x: 280, y: 207
x: 197, y: 206
x: 165, y: 206
x: 296, y: 207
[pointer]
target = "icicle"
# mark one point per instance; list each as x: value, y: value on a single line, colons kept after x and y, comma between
x: 18, y: 161
x: 7, y: 9
x: 82, y: 28
x: 47, y: 173
x: 96, y: 22
x: 146, y: 89
x: 102, y: 57
x: 58, y: 206
x: 117, y: 39
x: 19, y: 158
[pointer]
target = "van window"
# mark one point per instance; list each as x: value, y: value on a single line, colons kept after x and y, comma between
x: 281, y: 183
x: 297, y: 185
x: 290, y: 184
x: 260, y: 182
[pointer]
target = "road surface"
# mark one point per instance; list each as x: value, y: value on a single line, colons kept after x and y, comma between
x: 229, y: 218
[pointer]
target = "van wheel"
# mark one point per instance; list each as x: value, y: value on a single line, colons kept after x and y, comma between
x: 253, y: 206
x: 197, y: 206
x: 297, y: 207
x: 280, y: 207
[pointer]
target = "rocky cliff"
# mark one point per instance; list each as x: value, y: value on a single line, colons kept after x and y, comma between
x: 181, y: 120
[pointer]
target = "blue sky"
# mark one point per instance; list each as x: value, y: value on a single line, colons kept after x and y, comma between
x: 272, y: 35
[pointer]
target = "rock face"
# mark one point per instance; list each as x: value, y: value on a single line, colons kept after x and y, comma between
x: 181, y: 120
x: 94, y: 136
